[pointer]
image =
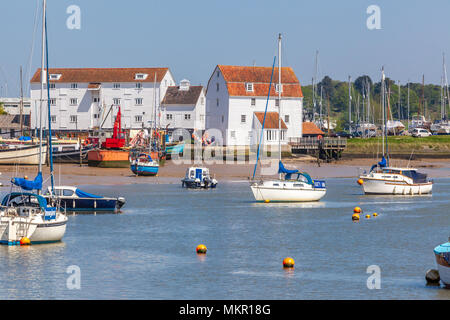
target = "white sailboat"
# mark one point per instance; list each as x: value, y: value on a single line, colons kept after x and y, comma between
x: 442, y: 126
x: 383, y: 179
x: 292, y: 185
x: 24, y: 215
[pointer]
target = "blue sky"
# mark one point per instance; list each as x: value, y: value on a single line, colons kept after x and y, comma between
x: 192, y: 37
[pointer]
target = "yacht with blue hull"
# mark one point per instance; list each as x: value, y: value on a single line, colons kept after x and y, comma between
x: 144, y: 165
x: 73, y: 199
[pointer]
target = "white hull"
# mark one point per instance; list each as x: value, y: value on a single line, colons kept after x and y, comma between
x: 372, y: 186
x: 13, y: 228
x: 286, y: 194
x: 444, y: 274
x: 50, y: 231
x: 26, y: 155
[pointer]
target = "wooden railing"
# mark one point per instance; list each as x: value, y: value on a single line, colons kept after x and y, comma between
x: 314, y: 143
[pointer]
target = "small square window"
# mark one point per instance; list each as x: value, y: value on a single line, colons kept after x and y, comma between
x: 187, y: 116
x: 73, y: 101
x: 138, y: 85
x: 116, y: 101
x: 73, y: 119
x: 286, y: 118
x: 53, y: 102
x: 249, y: 86
x: 116, y: 85
x: 138, y: 118
x: 52, y: 85
x: 169, y: 116
x: 253, y: 102
x: 277, y: 102
x: 73, y: 86
x: 243, y: 118
x: 138, y: 101
x: 277, y: 88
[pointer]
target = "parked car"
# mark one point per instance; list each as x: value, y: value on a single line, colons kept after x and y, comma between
x: 344, y: 134
x: 420, y: 132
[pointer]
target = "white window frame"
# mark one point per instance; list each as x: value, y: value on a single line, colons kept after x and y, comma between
x: 74, y: 86
x: 73, y: 101
x: 249, y: 87
x: 138, y: 85
x: 286, y: 118
x: 277, y: 87
x: 138, y: 101
x: 116, y: 85
x: 253, y: 102
x: 169, y: 116
x: 187, y: 116
x: 116, y: 101
x: 73, y: 119
x: 138, y: 118
x: 243, y: 118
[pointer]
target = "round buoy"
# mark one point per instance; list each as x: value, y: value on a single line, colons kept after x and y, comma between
x: 375, y: 214
x: 360, y: 181
x: 432, y: 276
x: 25, y: 241
x: 267, y: 201
x: 355, y: 217
x: 367, y: 216
x: 288, y: 263
x: 201, y: 248
x: 357, y: 210
x: 25, y: 177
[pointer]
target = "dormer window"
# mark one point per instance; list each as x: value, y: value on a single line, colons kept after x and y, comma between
x: 55, y: 76
x: 184, y: 85
x: 249, y: 86
x: 277, y: 88
x: 140, y: 76
x: 116, y: 85
x: 73, y: 86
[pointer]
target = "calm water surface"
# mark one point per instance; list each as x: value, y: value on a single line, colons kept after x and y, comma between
x: 148, y: 251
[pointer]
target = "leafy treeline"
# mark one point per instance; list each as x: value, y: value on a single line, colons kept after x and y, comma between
x: 336, y: 94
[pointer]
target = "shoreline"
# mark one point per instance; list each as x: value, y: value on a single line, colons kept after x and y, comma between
x: 73, y: 174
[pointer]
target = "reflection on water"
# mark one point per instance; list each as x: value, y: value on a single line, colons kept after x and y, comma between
x: 148, y: 251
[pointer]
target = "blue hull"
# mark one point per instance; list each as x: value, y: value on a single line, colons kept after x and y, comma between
x: 89, y: 204
x: 144, y: 170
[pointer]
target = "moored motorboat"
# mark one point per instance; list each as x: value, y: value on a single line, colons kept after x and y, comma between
x: 198, y: 178
x: 73, y: 199
x: 382, y: 179
x: 442, y: 254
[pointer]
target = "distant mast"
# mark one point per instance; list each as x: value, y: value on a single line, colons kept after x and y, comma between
x: 43, y: 81
x: 279, y: 99
x: 21, y: 103
x: 349, y: 105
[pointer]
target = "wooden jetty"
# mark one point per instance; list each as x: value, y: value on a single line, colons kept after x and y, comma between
x: 327, y: 149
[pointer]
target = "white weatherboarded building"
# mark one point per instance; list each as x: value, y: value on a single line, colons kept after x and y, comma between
x: 236, y: 96
x: 183, y: 107
x: 85, y: 98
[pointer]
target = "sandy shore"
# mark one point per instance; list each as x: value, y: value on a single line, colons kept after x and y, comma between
x: 73, y: 174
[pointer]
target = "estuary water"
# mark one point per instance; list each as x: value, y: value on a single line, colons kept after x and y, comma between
x: 148, y: 250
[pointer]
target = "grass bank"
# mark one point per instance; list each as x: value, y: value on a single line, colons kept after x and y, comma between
x: 432, y: 147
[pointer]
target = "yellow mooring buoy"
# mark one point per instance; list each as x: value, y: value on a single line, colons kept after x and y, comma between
x: 288, y: 262
x: 201, y: 249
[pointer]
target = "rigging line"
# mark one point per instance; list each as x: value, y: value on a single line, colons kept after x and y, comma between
x: 49, y: 145
x: 30, y: 58
x: 264, y: 120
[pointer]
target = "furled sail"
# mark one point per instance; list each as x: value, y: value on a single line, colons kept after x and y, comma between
x: 29, y: 185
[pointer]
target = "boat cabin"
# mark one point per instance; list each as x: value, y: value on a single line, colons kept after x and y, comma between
x: 407, y: 172
x: 194, y: 173
x: 65, y: 191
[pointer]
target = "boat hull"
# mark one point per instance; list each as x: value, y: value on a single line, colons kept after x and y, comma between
x: 144, y: 170
x: 264, y: 193
x: 89, y: 204
x: 108, y: 158
x: 444, y: 270
x: 191, y: 184
x: 51, y: 231
x: 27, y: 155
x: 375, y: 186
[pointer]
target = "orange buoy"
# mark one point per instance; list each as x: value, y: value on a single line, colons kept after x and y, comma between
x: 357, y: 210
x: 288, y: 262
x: 360, y: 181
x: 201, y: 249
x: 355, y: 217
x: 375, y: 214
x: 267, y: 201
x: 367, y: 216
x: 25, y: 241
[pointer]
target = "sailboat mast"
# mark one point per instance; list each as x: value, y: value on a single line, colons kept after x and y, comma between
x: 382, y: 109
x: 21, y: 103
x: 279, y: 98
x: 349, y: 106
x: 408, y: 104
x: 43, y: 81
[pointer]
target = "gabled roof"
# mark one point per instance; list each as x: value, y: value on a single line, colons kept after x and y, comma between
x: 175, y: 96
x: 271, y: 120
x: 310, y: 128
x: 237, y: 76
x: 102, y: 75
